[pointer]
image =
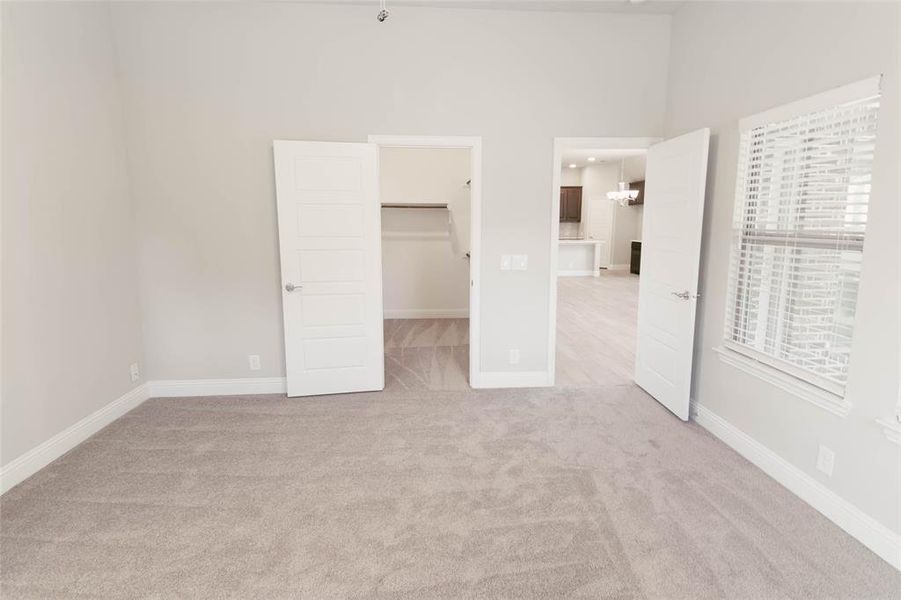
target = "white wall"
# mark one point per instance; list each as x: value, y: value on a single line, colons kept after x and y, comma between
x: 71, y: 317
x: 627, y: 219
x: 635, y: 171
x: 597, y: 180
x: 425, y: 272
x: 634, y: 167
x: 570, y: 176
x: 639, y: 222
x: 626, y: 227
x: 422, y: 175
x: 810, y: 47
x: 208, y: 86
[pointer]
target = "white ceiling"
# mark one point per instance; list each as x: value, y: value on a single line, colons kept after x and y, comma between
x: 580, y: 157
x: 666, y: 7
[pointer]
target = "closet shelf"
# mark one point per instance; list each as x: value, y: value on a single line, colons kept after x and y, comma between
x: 414, y: 205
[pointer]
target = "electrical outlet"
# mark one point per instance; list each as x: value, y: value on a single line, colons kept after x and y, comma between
x: 514, y: 356
x: 135, y: 372
x: 254, y: 361
x: 825, y: 460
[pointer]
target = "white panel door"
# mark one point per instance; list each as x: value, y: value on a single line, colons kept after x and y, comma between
x: 329, y: 231
x: 670, y: 252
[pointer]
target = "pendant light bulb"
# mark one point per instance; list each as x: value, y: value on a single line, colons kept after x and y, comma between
x: 623, y: 195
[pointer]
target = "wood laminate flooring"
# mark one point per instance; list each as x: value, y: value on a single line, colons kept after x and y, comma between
x: 597, y: 318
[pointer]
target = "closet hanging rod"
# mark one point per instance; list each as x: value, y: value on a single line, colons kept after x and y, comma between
x: 413, y: 205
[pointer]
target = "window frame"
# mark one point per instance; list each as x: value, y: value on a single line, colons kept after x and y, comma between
x: 804, y: 383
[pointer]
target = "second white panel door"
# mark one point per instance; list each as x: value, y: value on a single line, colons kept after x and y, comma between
x: 330, y: 245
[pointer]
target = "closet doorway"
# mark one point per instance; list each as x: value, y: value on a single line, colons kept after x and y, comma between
x: 430, y: 194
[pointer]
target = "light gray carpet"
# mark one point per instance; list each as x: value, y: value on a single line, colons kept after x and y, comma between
x: 581, y: 493
x: 426, y: 354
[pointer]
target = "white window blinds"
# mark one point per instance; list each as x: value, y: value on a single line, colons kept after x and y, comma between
x: 800, y: 217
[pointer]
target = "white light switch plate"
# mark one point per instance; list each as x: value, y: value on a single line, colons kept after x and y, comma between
x: 520, y: 262
x: 506, y: 261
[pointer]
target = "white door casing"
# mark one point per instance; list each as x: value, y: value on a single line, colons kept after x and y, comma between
x: 329, y: 225
x: 675, y: 183
x: 474, y: 144
x: 562, y: 144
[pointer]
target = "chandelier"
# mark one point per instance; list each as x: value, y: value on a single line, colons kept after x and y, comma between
x: 623, y: 194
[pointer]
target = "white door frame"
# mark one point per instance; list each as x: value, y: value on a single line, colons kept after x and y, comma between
x: 561, y: 145
x: 474, y: 145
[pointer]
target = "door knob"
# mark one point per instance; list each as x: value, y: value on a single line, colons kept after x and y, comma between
x: 290, y: 287
x: 684, y: 295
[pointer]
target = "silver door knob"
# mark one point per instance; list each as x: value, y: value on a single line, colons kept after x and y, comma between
x: 684, y: 295
x: 290, y: 287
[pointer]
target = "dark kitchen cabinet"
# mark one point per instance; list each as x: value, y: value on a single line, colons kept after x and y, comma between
x: 635, y: 262
x: 637, y: 185
x: 570, y: 204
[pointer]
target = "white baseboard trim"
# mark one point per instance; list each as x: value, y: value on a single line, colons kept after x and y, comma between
x: 415, y: 235
x: 39, y: 457
x: 623, y: 267
x: 872, y: 534
x: 512, y: 379
x: 427, y: 313
x: 585, y: 273
x: 179, y: 388
x: 182, y: 388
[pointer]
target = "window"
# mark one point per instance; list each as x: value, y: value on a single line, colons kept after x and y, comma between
x: 804, y: 175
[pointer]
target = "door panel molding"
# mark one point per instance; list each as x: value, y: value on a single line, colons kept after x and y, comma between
x: 676, y: 181
x: 330, y: 247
